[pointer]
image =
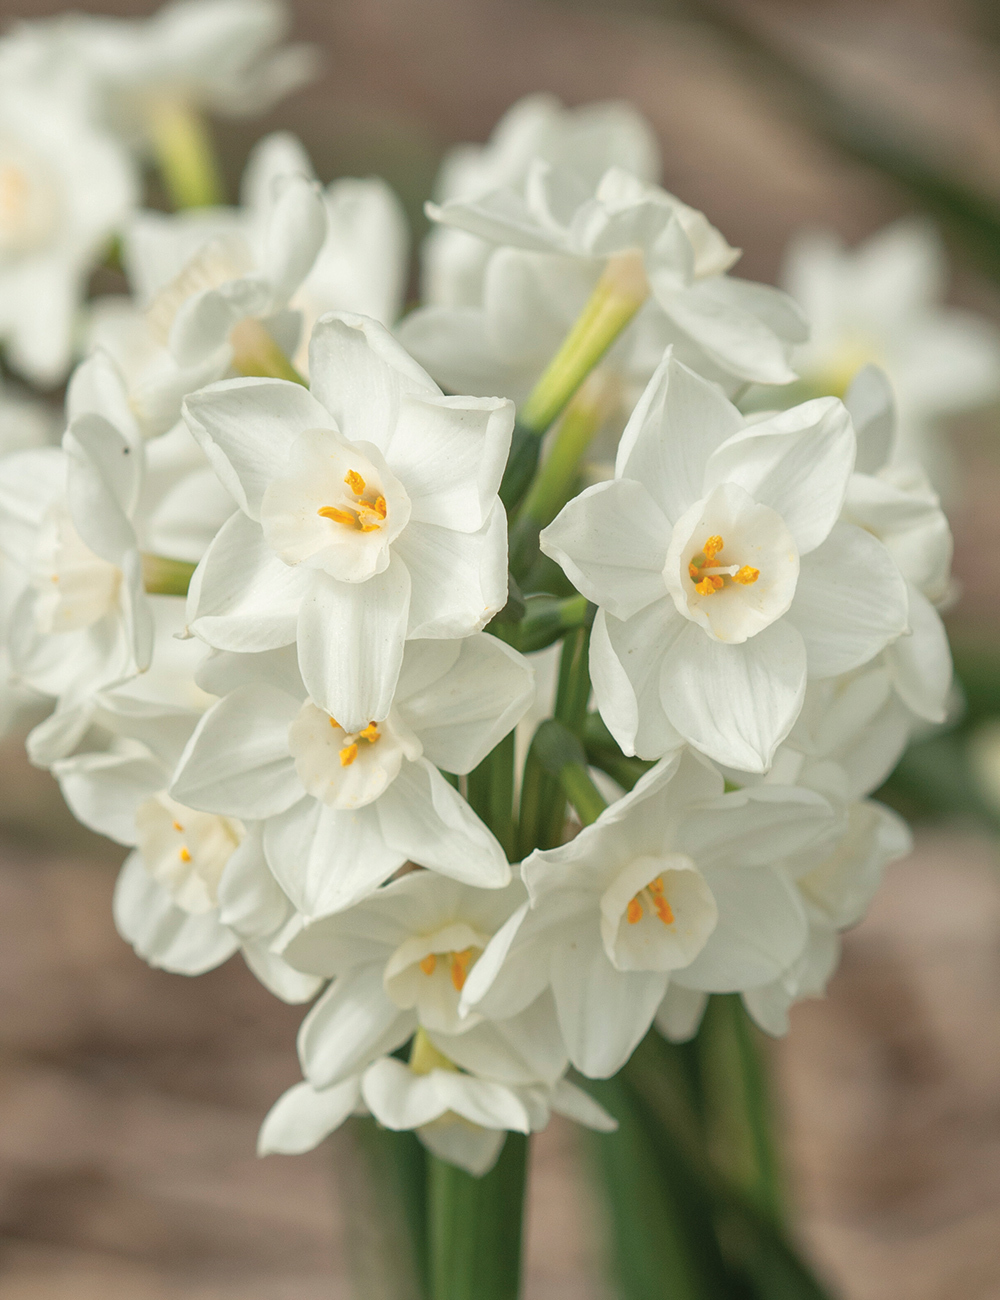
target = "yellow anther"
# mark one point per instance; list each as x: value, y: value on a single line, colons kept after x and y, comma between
x: 697, y: 562
x: 355, y: 482
x: 429, y: 963
x: 335, y: 723
x: 185, y: 853
x: 712, y: 547
x: 708, y: 586
x: 460, y: 968
x: 348, y: 754
x: 746, y: 575
x: 177, y: 826
x: 663, y: 908
x: 633, y: 913
x: 338, y: 516
x: 371, y: 733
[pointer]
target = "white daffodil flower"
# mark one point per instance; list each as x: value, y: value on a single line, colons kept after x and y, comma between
x: 673, y: 883
x: 399, y: 962
x: 214, y: 286
x: 345, y: 808
x: 722, y: 573
x: 460, y: 1117
x: 368, y: 515
x: 196, y: 888
x: 883, y: 303
x: 835, y: 894
x: 553, y: 244
x: 363, y: 264
x: 216, y: 55
x: 65, y: 189
x: 581, y: 143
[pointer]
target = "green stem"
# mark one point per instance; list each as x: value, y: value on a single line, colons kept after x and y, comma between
x: 560, y: 755
x: 474, y: 1226
x: 256, y: 353
x: 491, y: 793
x: 738, y: 1103
x: 617, y: 296
x: 165, y: 577
x: 184, y: 155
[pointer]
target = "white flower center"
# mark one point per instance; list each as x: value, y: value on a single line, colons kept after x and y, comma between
x: 348, y: 769
x: 186, y: 851
x: 76, y: 587
x: 732, y: 565
x: 428, y: 972
x: 338, y: 509
x: 28, y: 206
x: 657, y: 914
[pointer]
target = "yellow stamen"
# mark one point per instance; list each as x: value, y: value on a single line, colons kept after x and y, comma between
x: 663, y: 908
x: 177, y: 826
x: 348, y: 754
x: 429, y: 963
x: 460, y: 968
x: 712, y: 547
x: 335, y: 723
x: 338, y: 516
x: 708, y: 585
x: 633, y: 913
x: 371, y: 733
x: 746, y: 575
x: 355, y: 482
x: 185, y: 854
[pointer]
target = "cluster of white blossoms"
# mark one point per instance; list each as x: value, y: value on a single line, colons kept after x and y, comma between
x: 263, y: 584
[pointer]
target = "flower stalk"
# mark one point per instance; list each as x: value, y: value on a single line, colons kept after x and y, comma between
x: 184, y: 155
x: 255, y: 353
x: 162, y: 576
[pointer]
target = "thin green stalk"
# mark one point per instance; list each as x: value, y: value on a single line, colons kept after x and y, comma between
x: 490, y: 792
x: 560, y: 755
x: 165, y: 577
x: 738, y: 1103
x: 475, y: 1226
x: 184, y: 155
x: 255, y: 352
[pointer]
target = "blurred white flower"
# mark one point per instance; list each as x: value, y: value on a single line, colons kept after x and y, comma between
x: 224, y: 56
x: 65, y: 190
x: 882, y: 303
x: 580, y: 142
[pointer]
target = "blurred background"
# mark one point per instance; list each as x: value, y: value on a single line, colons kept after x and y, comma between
x: 130, y: 1099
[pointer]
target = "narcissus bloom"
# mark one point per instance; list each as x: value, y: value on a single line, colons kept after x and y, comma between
x: 722, y: 573
x: 345, y: 807
x: 674, y: 882
x: 368, y: 515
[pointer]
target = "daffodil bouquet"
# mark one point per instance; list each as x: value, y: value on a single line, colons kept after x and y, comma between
x: 507, y: 680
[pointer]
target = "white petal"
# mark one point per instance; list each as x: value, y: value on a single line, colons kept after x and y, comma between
x: 469, y: 708
x: 611, y: 542
x: 756, y: 826
x: 242, y: 597
x: 569, y: 1100
x: 762, y: 928
x: 625, y: 665
x: 104, y: 477
x: 458, y: 580
x: 359, y: 372
x: 278, y: 977
x: 350, y: 637
x: 449, y: 453
x: 732, y: 332
x: 325, y: 859
x: 303, y: 1116
x: 104, y: 790
x: 351, y: 1024
x: 920, y: 664
x: 603, y: 1013
x: 237, y: 762
x: 850, y: 602
x: 296, y: 229
x: 736, y: 703
x: 798, y: 463
x: 679, y: 1014
x: 677, y: 424
x: 161, y: 933
x: 474, y: 1149
x: 251, y: 902
x: 428, y: 821
x: 246, y: 428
